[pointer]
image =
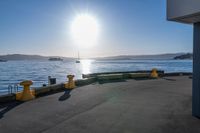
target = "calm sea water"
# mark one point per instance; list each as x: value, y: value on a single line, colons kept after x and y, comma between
x: 13, y: 72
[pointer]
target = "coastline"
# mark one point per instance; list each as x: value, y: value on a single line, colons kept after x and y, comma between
x: 100, y: 78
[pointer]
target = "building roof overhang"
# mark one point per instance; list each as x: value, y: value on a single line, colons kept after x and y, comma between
x: 183, y: 11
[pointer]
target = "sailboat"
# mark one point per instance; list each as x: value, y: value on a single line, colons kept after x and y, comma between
x: 78, y: 61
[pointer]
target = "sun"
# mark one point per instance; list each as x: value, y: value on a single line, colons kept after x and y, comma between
x: 85, y: 30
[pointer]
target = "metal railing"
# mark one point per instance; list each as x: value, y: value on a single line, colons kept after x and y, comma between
x: 13, y: 88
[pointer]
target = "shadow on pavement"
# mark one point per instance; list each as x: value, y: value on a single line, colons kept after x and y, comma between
x: 65, y: 96
x: 4, y: 108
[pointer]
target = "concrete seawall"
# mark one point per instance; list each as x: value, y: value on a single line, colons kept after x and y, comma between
x: 92, y: 78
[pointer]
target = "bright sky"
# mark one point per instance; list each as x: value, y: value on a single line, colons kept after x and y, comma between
x: 127, y: 27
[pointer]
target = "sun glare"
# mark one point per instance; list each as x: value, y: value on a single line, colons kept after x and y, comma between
x: 85, y: 30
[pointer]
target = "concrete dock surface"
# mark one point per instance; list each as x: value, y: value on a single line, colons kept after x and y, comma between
x: 134, y: 106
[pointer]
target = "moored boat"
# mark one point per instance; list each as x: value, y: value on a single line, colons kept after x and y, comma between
x: 1, y: 60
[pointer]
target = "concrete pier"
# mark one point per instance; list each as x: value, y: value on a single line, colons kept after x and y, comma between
x: 142, y: 106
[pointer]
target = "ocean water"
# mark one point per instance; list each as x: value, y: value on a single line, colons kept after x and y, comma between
x: 13, y: 72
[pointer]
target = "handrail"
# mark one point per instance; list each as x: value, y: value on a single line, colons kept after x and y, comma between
x: 13, y: 88
x: 10, y: 89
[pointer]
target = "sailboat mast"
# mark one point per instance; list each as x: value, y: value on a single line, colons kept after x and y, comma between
x: 78, y: 60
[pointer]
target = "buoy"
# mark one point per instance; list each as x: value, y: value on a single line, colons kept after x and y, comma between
x: 154, y: 73
x: 26, y: 94
x: 71, y: 83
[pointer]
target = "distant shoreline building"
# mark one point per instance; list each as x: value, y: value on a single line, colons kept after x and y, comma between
x: 55, y: 59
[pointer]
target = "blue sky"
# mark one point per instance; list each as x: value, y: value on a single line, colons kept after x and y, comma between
x: 128, y: 27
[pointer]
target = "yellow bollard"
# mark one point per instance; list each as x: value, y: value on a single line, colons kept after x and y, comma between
x: 71, y: 83
x: 26, y: 94
x: 154, y: 73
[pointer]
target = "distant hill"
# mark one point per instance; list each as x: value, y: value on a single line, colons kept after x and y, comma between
x: 29, y: 57
x: 156, y: 57
x: 121, y: 57
x: 184, y: 56
x: 22, y: 57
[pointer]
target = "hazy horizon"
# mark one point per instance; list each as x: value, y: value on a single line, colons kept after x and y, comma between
x: 126, y: 27
x: 96, y: 56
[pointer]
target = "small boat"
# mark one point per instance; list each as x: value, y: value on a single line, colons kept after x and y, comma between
x: 78, y: 61
x: 55, y: 59
x: 1, y: 60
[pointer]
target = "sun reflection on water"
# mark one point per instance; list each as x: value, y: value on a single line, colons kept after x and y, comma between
x: 86, y: 66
